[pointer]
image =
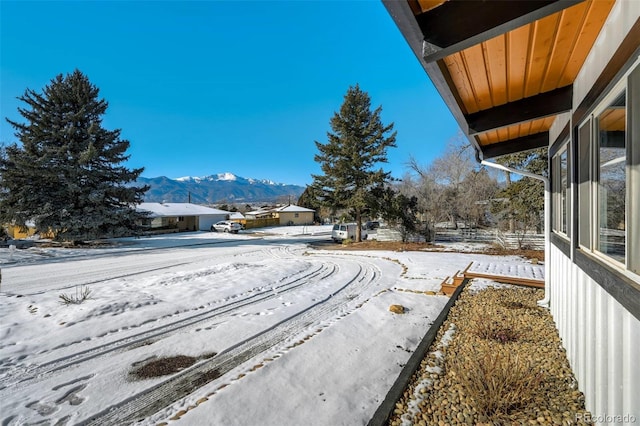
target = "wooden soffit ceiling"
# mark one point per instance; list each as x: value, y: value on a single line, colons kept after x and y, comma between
x: 504, y: 68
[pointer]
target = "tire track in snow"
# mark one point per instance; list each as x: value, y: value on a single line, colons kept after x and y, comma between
x: 184, y: 383
x: 19, y: 376
x: 23, y: 284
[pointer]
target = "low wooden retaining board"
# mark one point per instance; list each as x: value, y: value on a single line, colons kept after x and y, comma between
x: 450, y: 284
x: 527, y: 282
x: 385, y: 410
x: 524, y: 275
x: 448, y: 289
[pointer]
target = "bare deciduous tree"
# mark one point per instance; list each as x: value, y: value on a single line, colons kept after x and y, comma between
x: 453, y: 187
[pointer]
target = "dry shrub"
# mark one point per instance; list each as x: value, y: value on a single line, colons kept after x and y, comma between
x: 499, y: 382
x: 81, y: 294
x: 514, y: 305
x: 498, y: 330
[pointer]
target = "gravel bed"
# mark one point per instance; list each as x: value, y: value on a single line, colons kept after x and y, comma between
x: 497, y: 360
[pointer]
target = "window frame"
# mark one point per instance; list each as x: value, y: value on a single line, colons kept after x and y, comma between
x: 561, y: 214
x: 584, y: 185
x: 629, y: 84
x: 614, y: 93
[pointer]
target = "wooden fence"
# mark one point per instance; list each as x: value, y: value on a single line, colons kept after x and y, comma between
x: 261, y: 223
x: 492, y: 236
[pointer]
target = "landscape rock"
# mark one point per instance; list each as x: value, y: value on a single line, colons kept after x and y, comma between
x: 396, y: 309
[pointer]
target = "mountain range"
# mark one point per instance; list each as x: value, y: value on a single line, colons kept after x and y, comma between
x: 218, y: 188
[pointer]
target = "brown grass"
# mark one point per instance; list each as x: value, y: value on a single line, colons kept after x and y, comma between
x: 163, y: 366
x: 498, y: 382
x: 400, y: 246
x: 496, y: 330
x: 526, y: 253
x: 385, y: 245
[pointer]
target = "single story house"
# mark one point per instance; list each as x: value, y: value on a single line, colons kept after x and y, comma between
x: 286, y: 215
x: 16, y: 232
x: 259, y: 214
x: 182, y: 216
x: 294, y: 215
x: 564, y: 75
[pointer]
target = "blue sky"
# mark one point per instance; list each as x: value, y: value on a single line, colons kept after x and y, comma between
x: 208, y: 87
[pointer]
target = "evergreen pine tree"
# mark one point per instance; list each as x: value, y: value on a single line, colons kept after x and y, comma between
x: 310, y: 200
x: 67, y: 175
x: 398, y: 209
x: 348, y: 160
x: 525, y: 195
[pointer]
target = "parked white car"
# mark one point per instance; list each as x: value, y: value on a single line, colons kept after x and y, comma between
x: 226, y: 226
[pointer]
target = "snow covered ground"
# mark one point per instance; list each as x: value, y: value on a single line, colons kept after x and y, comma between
x: 301, y: 335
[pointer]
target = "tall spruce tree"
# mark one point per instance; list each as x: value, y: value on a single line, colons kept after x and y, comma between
x: 357, y: 144
x: 67, y: 176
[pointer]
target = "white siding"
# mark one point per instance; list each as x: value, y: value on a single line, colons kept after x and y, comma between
x: 558, y: 124
x: 601, y: 337
x: 622, y: 17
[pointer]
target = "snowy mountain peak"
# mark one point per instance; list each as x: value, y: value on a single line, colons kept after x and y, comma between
x: 227, y: 176
x: 217, y: 187
x: 264, y: 181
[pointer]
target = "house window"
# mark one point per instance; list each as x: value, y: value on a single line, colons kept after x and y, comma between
x: 561, y: 184
x: 564, y: 191
x: 180, y: 218
x: 584, y: 185
x: 611, y: 177
x: 296, y: 215
x: 608, y: 176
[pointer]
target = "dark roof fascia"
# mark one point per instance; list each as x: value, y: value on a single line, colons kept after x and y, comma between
x: 405, y: 20
x: 524, y: 143
x: 458, y: 25
x: 534, y: 107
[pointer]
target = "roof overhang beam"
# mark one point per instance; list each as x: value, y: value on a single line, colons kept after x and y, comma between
x: 459, y: 24
x: 539, y: 106
x: 524, y: 143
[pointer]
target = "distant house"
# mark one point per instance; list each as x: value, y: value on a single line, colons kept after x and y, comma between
x: 182, y: 216
x: 294, y: 215
x: 259, y: 214
x: 285, y: 215
x: 16, y: 232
